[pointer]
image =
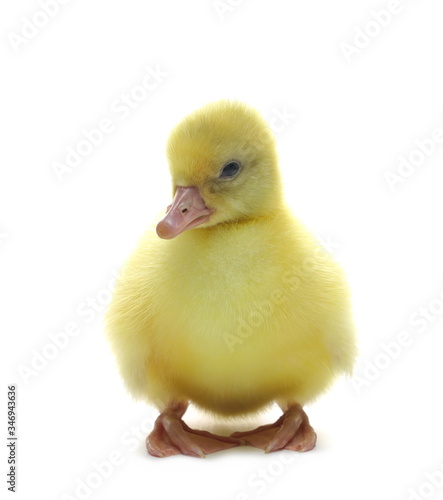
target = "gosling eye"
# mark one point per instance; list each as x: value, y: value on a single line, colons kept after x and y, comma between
x: 230, y: 170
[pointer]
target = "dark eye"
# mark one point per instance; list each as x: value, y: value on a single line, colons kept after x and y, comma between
x: 230, y: 169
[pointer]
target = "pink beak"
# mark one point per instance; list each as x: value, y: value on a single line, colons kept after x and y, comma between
x: 188, y: 210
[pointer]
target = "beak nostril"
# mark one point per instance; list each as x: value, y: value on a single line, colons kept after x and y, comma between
x: 187, y: 210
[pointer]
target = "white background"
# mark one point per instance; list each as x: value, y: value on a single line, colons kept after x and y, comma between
x: 348, y: 120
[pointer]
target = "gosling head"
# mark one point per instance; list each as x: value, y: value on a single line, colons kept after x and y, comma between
x: 224, y: 168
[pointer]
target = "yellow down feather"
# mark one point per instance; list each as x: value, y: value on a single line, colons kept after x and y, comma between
x: 244, y: 310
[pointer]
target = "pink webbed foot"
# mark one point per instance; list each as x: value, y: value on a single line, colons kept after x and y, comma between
x: 291, y: 431
x: 172, y: 436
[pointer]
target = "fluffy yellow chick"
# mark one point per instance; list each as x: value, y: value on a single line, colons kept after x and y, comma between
x: 232, y: 305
